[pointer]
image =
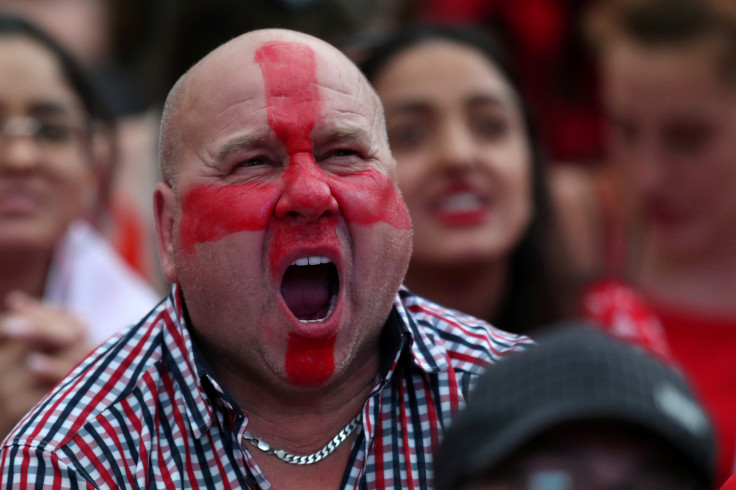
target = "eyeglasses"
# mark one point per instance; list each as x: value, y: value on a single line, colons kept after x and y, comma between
x: 46, y: 134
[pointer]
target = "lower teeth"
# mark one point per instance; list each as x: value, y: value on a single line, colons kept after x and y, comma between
x: 333, y: 301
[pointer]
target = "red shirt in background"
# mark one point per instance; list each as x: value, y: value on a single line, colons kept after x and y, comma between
x: 704, y: 346
x: 701, y: 344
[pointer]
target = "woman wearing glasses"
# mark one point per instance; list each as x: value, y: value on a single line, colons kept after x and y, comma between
x: 62, y: 288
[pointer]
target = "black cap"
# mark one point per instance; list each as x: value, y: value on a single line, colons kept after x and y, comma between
x: 576, y: 374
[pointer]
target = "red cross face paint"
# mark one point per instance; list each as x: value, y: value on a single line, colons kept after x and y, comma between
x: 303, y: 252
x: 211, y: 212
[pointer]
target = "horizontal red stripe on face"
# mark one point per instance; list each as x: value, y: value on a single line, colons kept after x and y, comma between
x: 211, y: 212
x: 369, y: 197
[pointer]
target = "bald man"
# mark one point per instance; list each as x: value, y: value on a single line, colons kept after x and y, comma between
x: 287, y: 355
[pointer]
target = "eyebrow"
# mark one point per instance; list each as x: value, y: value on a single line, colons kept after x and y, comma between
x: 245, y: 142
x: 327, y: 137
x: 508, y: 101
x: 342, y: 133
x: 51, y: 108
x: 420, y: 105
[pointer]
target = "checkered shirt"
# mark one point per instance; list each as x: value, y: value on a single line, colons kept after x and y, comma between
x: 138, y: 412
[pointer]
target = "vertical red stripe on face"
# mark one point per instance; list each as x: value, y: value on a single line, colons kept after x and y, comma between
x: 310, y: 362
x: 293, y: 103
x: 292, y: 95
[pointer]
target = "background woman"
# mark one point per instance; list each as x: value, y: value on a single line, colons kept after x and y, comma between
x: 472, y: 174
x: 62, y: 288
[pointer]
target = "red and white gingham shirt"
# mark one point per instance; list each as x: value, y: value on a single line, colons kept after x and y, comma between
x: 141, y: 412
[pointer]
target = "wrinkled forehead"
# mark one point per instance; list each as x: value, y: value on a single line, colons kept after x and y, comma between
x: 248, y: 79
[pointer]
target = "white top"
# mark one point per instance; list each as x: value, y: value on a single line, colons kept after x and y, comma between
x: 90, y: 279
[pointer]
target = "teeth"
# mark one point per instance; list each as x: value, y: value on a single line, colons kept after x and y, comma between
x: 333, y: 300
x: 461, y: 202
x: 311, y: 261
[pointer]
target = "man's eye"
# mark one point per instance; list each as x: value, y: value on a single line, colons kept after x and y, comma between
x: 341, y: 152
x: 252, y: 162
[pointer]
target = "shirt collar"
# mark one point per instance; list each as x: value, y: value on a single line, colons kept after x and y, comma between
x: 426, y: 354
x: 198, y: 408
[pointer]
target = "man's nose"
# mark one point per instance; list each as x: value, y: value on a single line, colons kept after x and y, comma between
x: 306, y: 192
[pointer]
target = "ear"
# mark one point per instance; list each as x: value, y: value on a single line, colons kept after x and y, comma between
x: 164, y: 209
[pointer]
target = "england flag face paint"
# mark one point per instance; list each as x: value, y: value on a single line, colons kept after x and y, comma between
x: 293, y: 228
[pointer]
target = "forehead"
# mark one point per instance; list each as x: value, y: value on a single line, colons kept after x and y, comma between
x: 429, y: 68
x: 234, y: 92
x: 29, y: 72
x: 665, y: 83
x: 628, y: 65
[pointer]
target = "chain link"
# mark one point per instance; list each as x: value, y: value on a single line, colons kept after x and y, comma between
x: 306, y: 458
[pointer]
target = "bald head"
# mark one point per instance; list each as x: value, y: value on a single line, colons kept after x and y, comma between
x: 232, y: 74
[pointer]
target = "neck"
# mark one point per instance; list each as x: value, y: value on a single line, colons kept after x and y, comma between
x: 301, y: 421
x: 25, y: 271
x: 476, y: 289
x: 704, y: 282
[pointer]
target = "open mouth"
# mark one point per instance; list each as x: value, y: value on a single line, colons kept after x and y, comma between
x: 309, y: 288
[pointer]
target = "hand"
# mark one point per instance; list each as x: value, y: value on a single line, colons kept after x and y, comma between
x: 39, y: 344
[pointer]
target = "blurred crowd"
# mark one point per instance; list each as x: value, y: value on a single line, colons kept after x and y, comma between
x: 562, y: 161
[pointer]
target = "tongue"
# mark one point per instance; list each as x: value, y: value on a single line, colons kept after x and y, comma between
x: 306, y: 291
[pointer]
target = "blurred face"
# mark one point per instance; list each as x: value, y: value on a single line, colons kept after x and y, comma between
x: 289, y: 237
x: 462, y: 154
x: 45, y: 173
x: 671, y: 136
x: 82, y: 26
x: 592, y: 457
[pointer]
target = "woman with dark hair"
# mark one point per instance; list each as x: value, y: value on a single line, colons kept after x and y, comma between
x: 472, y: 174
x: 62, y: 288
